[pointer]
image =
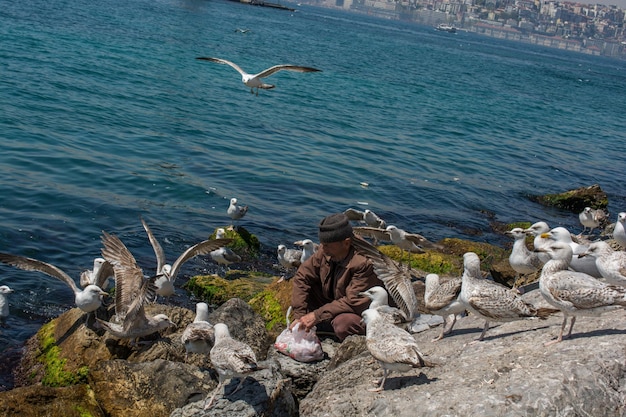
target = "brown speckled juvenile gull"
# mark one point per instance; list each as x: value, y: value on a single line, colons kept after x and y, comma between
x: 380, y: 303
x: 492, y: 301
x: 575, y: 293
x: 443, y: 299
x: 256, y: 80
x: 167, y: 273
x: 99, y: 275
x: 132, y: 292
x: 394, y: 348
x: 231, y: 359
x: 610, y: 263
x: 88, y: 299
x: 199, y: 335
x: 521, y: 259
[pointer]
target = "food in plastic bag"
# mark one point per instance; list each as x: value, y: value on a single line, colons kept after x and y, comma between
x: 299, y: 344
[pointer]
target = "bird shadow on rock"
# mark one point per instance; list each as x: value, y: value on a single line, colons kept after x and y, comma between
x: 251, y: 392
x: 595, y: 333
x: 405, y: 381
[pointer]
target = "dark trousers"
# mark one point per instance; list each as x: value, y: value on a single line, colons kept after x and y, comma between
x: 343, y: 325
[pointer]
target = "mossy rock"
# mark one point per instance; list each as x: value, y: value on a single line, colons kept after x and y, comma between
x: 272, y: 305
x: 243, y: 241
x: 430, y: 262
x: 55, y: 374
x: 237, y: 284
x: 488, y: 254
x: 576, y: 200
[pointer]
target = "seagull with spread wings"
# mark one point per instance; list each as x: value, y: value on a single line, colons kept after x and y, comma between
x: 256, y: 80
x: 167, y: 273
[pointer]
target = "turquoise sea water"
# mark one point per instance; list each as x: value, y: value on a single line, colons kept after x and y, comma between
x: 105, y: 116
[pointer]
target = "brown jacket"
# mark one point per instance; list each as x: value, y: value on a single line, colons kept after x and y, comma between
x: 327, y: 295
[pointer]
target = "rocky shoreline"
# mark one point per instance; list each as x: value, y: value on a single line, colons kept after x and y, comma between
x: 72, y: 368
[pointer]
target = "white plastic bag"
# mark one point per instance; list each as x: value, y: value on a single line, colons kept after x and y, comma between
x: 299, y: 344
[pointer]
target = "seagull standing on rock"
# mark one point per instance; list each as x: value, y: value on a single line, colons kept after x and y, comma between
x: 619, y: 233
x: 521, y: 259
x: 235, y: 211
x: 231, y: 359
x: 394, y: 348
x: 442, y: 298
x: 591, y: 218
x: 199, y: 335
x: 288, y: 259
x: 610, y: 263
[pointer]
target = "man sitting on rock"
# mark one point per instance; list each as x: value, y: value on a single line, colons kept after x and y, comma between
x: 326, y: 287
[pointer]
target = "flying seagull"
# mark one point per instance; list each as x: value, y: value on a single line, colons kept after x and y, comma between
x: 256, y: 80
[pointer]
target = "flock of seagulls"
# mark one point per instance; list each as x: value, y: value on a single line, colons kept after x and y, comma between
x: 576, y: 279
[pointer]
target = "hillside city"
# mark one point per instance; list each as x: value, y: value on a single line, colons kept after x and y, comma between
x: 591, y: 29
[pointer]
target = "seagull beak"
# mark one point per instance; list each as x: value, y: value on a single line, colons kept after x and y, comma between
x: 364, y: 294
x: 545, y: 235
x: 104, y: 293
x: 541, y: 250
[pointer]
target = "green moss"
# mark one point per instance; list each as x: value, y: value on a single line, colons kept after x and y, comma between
x: 243, y: 241
x: 576, y: 200
x: 268, y: 306
x: 82, y: 412
x: 431, y: 261
x: 238, y: 284
x: 55, y: 374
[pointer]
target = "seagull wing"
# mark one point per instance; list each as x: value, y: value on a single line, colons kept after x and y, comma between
x: 29, y: 264
x: 105, y: 271
x: 276, y: 68
x: 203, y: 248
x: 129, y: 278
x: 354, y: 214
x: 420, y: 240
x: 396, y: 280
x: 373, y: 233
x: 158, y: 249
x: 225, y: 62
x: 445, y: 293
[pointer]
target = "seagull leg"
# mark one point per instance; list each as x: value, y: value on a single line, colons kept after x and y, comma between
x: 571, y: 326
x: 382, y: 382
x: 209, y: 404
x: 238, y: 387
x: 482, y: 335
x: 560, y: 338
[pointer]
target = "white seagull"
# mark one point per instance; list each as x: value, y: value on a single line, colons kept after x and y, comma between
x: 223, y: 255
x: 88, y: 299
x: 99, y: 275
x: 288, y: 259
x: 4, y: 303
x: 575, y: 293
x: 537, y: 229
x: 586, y: 265
x: 368, y: 217
x: 591, y: 218
x: 199, y: 335
x: 167, y: 273
x: 610, y: 263
x: 619, y: 233
x: 380, y: 302
x: 308, y: 248
x: 235, y: 211
x: 521, y: 259
x: 231, y: 359
x: 256, y: 80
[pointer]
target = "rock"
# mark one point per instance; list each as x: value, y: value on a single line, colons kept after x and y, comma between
x: 266, y: 392
x: 37, y: 400
x: 244, y: 325
x: 509, y: 373
x: 576, y: 200
x: 147, y: 389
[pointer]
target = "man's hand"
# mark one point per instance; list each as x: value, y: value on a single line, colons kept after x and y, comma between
x: 307, y: 322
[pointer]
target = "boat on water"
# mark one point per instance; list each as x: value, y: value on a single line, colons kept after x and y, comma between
x: 445, y: 27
